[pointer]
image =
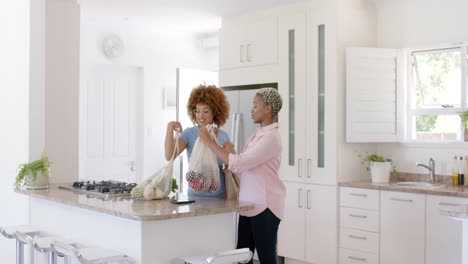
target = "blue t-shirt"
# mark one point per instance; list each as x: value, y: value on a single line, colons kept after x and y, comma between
x: 190, y: 135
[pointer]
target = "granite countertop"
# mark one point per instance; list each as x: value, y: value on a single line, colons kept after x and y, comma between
x: 140, y: 210
x: 446, y: 190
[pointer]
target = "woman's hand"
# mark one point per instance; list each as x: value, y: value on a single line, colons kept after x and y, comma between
x: 174, y: 126
x: 204, y: 135
x: 229, y: 147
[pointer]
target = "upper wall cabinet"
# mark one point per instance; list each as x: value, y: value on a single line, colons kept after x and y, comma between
x: 374, y: 95
x: 248, y: 43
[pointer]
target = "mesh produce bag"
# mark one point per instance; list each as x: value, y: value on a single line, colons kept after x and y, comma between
x: 203, y: 174
x: 159, y: 185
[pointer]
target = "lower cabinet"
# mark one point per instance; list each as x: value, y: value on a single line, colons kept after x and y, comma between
x: 402, y: 228
x: 308, y: 232
x: 389, y: 227
x: 444, y: 234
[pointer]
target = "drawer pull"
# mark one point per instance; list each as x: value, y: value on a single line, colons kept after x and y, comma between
x: 449, y: 204
x: 358, y: 259
x: 358, y: 216
x: 401, y: 200
x: 357, y: 237
x: 358, y: 194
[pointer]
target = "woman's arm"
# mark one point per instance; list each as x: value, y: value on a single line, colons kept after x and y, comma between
x: 169, y: 143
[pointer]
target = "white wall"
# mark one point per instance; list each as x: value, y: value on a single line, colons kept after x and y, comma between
x: 62, y: 88
x: 37, y: 80
x: 14, y: 77
x: 413, y: 24
x: 158, y: 53
x: 357, y: 21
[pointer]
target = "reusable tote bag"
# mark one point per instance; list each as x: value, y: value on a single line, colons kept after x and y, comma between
x: 203, y: 174
x: 159, y: 185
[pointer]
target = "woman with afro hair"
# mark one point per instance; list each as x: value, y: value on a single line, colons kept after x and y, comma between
x: 206, y: 105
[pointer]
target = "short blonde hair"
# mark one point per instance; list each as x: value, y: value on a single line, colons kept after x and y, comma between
x: 271, y: 96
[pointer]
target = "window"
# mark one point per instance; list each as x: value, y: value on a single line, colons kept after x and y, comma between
x: 437, y: 94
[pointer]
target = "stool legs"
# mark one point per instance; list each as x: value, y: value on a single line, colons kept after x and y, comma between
x: 52, y: 258
x: 19, y: 252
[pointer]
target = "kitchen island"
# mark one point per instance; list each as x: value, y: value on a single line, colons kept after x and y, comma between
x: 148, y: 231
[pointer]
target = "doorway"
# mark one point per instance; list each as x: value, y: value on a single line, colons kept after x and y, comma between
x: 110, y: 123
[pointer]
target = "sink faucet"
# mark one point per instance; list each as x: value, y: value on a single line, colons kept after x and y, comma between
x: 431, y: 169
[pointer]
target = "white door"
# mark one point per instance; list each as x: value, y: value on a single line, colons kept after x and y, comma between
x: 321, y: 223
x: 403, y: 227
x: 187, y: 79
x: 109, y: 123
x: 291, y: 233
x: 444, y: 235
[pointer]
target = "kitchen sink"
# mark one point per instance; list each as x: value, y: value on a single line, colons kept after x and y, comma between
x: 418, y: 184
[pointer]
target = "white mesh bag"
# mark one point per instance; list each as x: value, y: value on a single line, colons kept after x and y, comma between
x: 203, y: 174
x: 159, y: 185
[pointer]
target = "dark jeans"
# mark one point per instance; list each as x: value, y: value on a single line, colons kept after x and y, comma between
x: 259, y: 232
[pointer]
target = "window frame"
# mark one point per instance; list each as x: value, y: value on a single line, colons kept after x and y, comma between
x: 411, y: 110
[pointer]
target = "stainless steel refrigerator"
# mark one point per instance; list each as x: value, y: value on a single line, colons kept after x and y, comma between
x: 240, y: 125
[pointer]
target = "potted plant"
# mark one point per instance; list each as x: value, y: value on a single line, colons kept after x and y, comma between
x: 34, y: 175
x: 379, y: 167
x: 464, y: 118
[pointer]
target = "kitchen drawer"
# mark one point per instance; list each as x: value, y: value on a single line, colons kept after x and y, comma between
x: 359, y: 219
x: 359, y: 240
x: 360, y: 198
x: 355, y: 257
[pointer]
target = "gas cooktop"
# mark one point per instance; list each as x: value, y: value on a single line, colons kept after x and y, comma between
x: 106, y: 189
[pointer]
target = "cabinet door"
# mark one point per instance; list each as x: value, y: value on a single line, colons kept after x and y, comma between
x: 291, y: 235
x: 402, y: 235
x: 231, y: 51
x: 291, y: 85
x: 444, y: 235
x: 322, y: 98
x: 246, y: 43
x: 261, y: 42
x: 321, y: 224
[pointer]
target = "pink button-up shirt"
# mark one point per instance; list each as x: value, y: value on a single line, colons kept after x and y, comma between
x: 257, y: 167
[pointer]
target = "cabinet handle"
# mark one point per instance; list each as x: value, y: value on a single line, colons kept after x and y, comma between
x: 248, y: 52
x: 358, y: 194
x: 358, y: 216
x: 357, y: 237
x: 449, y: 204
x: 401, y: 200
x: 242, y: 53
x: 358, y: 259
x: 307, y: 197
x: 299, y: 194
x: 299, y: 168
x: 308, y: 168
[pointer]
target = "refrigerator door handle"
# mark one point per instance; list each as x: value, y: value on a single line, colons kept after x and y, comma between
x: 233, y: 128
x: 237, y: 144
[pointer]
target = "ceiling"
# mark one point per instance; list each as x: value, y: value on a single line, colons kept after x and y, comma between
x: 188, y: 15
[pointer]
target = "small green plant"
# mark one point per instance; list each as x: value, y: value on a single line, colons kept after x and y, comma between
x: 374, y: 157
x: 174, y: 185
x: 33, y: 168
x: 464, y: 118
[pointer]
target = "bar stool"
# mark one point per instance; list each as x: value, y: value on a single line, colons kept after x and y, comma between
x: 88, y: 255
x: 44, y: 245
x: 242, y: 255
x: 11, y: 233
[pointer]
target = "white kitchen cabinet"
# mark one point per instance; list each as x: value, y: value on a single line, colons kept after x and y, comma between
x: 308, y: 231
x: 444, y: 235
x: 359, y: 225
x: 402, y: 228
x: 374, y: 95
x: 248, y: 42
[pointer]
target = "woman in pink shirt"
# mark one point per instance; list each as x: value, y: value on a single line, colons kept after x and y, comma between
x: 258, y: 167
